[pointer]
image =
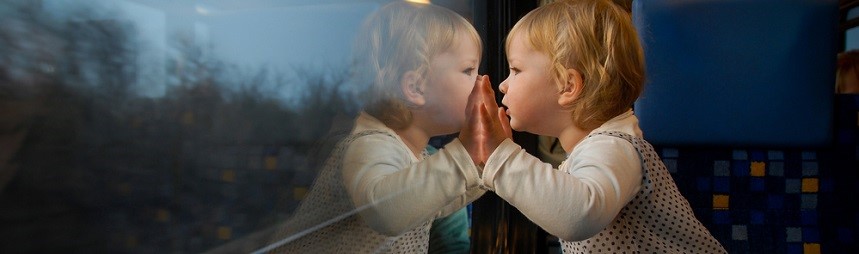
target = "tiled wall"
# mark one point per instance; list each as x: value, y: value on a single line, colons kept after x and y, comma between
x: 777, y: 200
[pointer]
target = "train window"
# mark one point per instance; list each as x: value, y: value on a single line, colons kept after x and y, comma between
x: 167, y: 126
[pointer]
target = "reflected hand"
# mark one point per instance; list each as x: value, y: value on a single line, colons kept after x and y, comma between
x: 483, y: 131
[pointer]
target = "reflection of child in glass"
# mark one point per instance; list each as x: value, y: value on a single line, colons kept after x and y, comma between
x: 380, y: 190
x: 847, y: 76
x: 576, y: 67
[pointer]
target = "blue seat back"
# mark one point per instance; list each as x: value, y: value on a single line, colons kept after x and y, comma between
x: 738, y: 73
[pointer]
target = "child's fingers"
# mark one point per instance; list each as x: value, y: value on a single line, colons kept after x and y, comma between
x: 475, y: 96
x: 488, y: 93
x: 485, y: 121
x: 473, y: 117
x: 470, y: 134
x: 489, y: 101
x: 505, y: 122
x: 485, y: 117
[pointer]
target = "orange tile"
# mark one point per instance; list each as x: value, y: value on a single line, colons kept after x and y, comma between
x: 811, y: 248
x: 758, y: 168
x: 720, y: 201
x: 810, y: 185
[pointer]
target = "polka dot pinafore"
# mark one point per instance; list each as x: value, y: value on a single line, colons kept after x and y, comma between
x: 657, y: 220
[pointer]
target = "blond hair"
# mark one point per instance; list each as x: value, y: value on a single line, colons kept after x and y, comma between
x: 401, y: 37
x: 597, y: 39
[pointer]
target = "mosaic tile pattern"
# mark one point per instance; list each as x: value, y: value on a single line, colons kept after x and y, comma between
x: 779, y: 200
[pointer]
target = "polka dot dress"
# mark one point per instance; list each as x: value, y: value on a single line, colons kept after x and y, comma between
x: 328, y: 222
x: 657, y: 220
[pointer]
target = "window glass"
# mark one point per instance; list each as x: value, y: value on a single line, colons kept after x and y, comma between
x: 161, y: 126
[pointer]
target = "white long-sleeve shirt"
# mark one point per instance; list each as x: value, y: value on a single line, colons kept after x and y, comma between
x: 375, y: 196
x: 602, y: 199
x: 400, y: 190
x: 580, y: 198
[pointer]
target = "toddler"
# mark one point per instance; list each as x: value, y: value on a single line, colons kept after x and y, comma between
x: 576, y: 67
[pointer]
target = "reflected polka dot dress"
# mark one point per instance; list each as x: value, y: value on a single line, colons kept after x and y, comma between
x: 328, y: 222
x: 657, y: 220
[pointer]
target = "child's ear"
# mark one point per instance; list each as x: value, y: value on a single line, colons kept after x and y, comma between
x: 572, y: 88
x: 413, y: 88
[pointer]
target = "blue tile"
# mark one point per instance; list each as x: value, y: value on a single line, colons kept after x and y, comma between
x: 808, y: 217
x: 810, y: 234
x: 722, y: 184
x: 740, y: 168
x: 703, y: 183
x: 740, y: 155
x: 794, y: 248
x: 756, y: 184
x: 757, y: 156
x: 775, y: 201
x: 756, y: 217
x: 722, y: 217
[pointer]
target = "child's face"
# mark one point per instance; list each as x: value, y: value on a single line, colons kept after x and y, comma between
x: 530, y: 94
x: 450, y: 78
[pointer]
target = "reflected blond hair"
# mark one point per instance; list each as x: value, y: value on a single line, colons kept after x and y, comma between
x: 597, y: 39
x: 402, y: 37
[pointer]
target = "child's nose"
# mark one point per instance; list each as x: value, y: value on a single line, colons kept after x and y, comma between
x: 503, y: 87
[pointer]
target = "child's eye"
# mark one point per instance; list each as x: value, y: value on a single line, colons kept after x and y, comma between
x: 514, y: 71
x: 468, y: 71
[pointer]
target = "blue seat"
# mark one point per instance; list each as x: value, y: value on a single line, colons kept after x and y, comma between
x: 738, y: 73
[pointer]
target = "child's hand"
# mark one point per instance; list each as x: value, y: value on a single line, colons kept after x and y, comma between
x: 483, y: 131
x: 496, y: 125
